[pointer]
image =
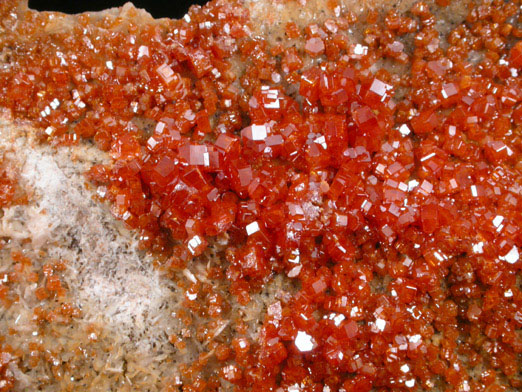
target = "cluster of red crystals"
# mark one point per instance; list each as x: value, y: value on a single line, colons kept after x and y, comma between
x: 48, y: 284
x: 399, y: 219
x: 41, y: 290
x: 436, y: 209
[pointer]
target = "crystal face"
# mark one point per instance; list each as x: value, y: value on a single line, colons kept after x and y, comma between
x: 304, y: 342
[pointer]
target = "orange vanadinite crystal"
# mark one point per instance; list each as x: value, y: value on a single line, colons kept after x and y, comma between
x: 7, y: 379
x: 398, y: 219
x: 8, y: 184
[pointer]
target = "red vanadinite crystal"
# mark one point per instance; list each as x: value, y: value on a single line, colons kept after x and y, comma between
x: 7, y: 380
x: 392, y: 200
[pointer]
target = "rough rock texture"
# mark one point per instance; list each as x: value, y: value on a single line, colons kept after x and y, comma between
x: 114, y: 285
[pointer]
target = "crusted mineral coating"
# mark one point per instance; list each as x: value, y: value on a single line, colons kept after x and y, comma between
x: 317, y: 195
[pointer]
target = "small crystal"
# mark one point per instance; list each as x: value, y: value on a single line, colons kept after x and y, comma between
x: 426, y: 187
x: 449, y: 90
x: 360, y: 50
x: 259, y: 132
x: 304, y: 342
x: 497, y: 222
x: 45, y: 112
x: 199, y: 155
x: 194, y: 243
x: 245, y: 176
x: 143, y: 51
x: 512, y: 256
x: 414, y: 339
x: 478, y: 248
x: 294, y: 388
x: 252, y: 228
x: 404, y: 130
x: 351, y: 329
x: 412, y: 184
x: 453, y: 183
x: 338, y: 319
x: 380, y: 324
x: 425, y: 158
x: 294, y: 272
x: 314, y: 46
x: 274, y: 140
x: 152, y: 143
x: 380, y: 88
x: 166, y: 73
x: 321, y: 141
x: 55, y: 103
x: 275, y: 310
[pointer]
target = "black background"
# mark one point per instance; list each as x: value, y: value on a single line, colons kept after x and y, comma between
x: 158, y: 8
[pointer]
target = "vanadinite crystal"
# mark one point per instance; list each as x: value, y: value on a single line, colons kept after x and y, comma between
x: 391, y: 197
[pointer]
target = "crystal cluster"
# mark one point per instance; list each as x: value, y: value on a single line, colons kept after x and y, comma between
x: 398, y: 219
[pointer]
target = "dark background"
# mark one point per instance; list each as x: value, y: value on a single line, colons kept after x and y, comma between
x: 158, y: 8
